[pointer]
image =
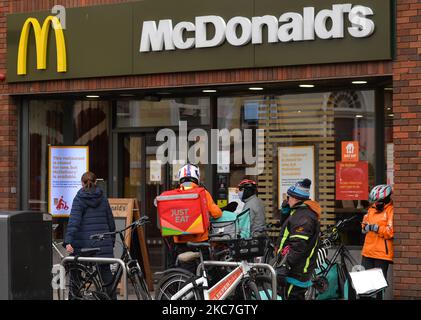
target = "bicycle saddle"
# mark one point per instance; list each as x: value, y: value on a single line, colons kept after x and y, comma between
x: 89, y: 252
x: 198, y: 245
x: 188, y: 256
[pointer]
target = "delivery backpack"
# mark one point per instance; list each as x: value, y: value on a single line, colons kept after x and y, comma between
x: 183, y: 212
x: 234, y: 225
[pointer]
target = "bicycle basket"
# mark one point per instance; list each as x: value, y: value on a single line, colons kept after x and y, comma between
x: 232, y: 224
x: 242, y: 249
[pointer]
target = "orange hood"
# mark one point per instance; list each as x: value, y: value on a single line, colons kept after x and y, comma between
x: 314, y: 206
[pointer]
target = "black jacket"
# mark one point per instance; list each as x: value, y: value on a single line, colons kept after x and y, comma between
x: 300, y: 232
x: 90, y: 214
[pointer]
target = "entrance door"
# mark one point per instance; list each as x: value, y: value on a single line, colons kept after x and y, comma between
x: 144, y: 184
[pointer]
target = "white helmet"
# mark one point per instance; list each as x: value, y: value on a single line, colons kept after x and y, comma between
x: 189, y: 173
x: 380, y: 192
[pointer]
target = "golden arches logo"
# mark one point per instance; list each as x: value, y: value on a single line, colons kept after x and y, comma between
x: 41, y: 42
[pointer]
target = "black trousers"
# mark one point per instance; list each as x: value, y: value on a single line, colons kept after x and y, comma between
x: 291, y: 292
x: 371, y: 263
x: 191, y: 265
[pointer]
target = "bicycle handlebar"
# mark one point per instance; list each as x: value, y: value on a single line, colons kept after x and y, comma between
x: 138, y: 223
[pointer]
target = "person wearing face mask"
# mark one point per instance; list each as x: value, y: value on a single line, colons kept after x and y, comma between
x: 248, y: 194
x: 377, y: 225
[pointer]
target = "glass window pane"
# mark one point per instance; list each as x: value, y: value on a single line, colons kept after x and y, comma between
x: 143, y: 113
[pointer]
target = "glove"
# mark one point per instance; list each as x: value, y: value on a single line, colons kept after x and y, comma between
x: 281, y: 274
x: 285, y: 208
x: 232, y: 206
x: 371, y: 227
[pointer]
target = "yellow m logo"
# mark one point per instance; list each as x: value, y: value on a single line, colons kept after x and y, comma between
x: 41, y: 41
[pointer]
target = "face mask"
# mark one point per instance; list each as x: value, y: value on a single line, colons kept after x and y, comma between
x: 187, y: 184
x: 241, y: 194
x: 379, y: 206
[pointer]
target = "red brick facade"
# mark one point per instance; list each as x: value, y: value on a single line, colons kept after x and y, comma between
x: 407, y: 126
x: 407, y: 140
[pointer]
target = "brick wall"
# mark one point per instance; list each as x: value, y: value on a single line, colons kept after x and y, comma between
x: 407, y: 139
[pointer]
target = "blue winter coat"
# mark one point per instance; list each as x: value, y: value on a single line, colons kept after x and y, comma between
x: 90, y: 214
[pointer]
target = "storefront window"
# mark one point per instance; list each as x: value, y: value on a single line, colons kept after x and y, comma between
x: 304, y: 134
x: 46, y: 120
x: 164, y: 113
x: 65, y: 123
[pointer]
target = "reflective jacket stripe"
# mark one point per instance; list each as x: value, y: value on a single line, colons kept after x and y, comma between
x: 309, y: 257
x: 299, y: 236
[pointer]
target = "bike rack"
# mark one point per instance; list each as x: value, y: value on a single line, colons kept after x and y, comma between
x: 256, y: 265
x: 102, y: 260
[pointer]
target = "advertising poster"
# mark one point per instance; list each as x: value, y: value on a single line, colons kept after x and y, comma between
x: 295, y: 164
x: 350, y: 151
x: 352, y: 180
x: 155, y: 172
x: 66, y: 167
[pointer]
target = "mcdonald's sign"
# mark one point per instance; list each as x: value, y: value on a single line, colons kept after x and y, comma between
x: 41, y: 42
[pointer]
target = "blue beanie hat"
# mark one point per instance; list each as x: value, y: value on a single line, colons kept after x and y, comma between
x: 301, y: 190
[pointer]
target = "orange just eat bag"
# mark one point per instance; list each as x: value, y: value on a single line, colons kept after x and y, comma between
x: 183, y: 212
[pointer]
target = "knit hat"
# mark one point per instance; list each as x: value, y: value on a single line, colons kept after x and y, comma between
x: 301, y: 190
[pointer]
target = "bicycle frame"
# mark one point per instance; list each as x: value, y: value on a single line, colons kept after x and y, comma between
x: 102, y: 260
x: 222, y: 289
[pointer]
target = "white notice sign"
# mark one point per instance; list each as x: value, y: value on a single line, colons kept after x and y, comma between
x: 66, y: 167
x: 295, y: 164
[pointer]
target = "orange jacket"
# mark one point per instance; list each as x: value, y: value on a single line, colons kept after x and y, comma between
x: 214, y: 211
x: 379, y: 245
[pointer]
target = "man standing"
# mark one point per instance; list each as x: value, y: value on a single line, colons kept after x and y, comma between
x: 299, y: 241
x: 248, y: 194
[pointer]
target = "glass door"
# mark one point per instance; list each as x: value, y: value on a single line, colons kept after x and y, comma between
x: 144, y: 180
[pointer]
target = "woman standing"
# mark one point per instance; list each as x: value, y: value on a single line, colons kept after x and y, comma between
x: 91, y: 214
x: 378, y: 227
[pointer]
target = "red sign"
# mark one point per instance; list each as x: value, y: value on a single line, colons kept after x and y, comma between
x: 352, y: 180
x: 350, y: 151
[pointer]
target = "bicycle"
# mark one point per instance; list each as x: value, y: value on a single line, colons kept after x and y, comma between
x: 341, y: 257
x: 178, y: 284
x: 85, y: 281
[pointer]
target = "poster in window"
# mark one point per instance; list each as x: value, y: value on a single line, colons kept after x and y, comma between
x: 295, y: 164
x: 66, y: 167
x: 352, y: 180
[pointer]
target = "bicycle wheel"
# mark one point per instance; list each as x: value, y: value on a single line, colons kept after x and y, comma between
x: 248, y: 290
x: 140, y: 287
x: 82, y: 284
x: 173, y: 283
x: 264, y: 287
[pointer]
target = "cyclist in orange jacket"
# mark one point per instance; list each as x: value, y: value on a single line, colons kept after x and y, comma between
x: 189, y: 177
x: 377, y: 225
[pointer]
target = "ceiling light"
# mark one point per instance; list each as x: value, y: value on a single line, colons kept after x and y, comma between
x: 255, y: 89
x: 92, y: 96
x: 359, y: 116
x: 359, y: 82
x: 306, y: 85
x: 391, y: 115
x: 208, y: 91
x: 389, y: 108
